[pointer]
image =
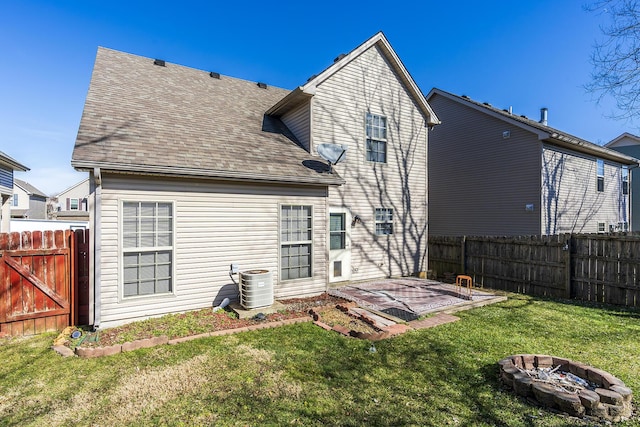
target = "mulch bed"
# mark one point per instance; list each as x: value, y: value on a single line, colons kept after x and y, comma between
x: 204, y: 320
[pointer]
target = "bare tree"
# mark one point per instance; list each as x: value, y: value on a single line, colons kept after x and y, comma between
x: 616, y: 58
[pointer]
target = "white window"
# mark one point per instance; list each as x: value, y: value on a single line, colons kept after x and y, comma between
x: 602, y: 227
x: 296, y: 238
x: 625, y: 180
x: 384, y: 221
x: 74, y: 204
x: 15, y: 199
x: 376, y: 130
x: 147, y: 248
x: 600, y: 167
x: 337, y: 231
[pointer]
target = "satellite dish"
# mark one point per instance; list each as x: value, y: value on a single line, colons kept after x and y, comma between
x: 332, y: 153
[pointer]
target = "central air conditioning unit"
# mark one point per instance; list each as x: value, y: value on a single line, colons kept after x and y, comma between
x: 256, y: 289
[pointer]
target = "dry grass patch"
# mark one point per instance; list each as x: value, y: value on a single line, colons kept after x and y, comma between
x: 148, y: 393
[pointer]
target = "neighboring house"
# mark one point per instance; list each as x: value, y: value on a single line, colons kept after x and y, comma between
x: 7, y: 167
x: 71, y: 204
x: 191, y: 171
x: 492, y: 172
x: 630, y: 145
x: 28, y: 202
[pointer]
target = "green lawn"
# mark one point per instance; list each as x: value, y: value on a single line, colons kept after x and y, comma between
x: 304, y: 375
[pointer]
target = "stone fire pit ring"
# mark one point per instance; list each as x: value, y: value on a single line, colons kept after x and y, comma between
x: 607, y: 398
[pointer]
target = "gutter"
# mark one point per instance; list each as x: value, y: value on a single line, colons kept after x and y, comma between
x: 97, y: 247
x: 172, y: 171
x: 590, y: 148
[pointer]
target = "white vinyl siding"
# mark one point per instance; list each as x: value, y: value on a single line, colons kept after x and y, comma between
x: 298, y: 121
x: 21, y: 199
x: 369, y: 84
x: 79, y: 192
x: 571, y: 202
x: 630, y: 146
x: 216, y: 224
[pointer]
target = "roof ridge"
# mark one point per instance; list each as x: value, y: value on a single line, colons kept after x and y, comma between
x: 187, y: 67
x: 552, y: 133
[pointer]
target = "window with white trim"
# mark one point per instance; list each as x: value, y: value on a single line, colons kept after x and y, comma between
x: 376, y: 130
x: 625, y: 179
x: 14, y: 201
x: 600, y: 173
x: 296, y: 241
x: 384, y: 221
x: 602, y: 227
x: 337, y: 231
x: 74, y: 204
x: 147, y: 248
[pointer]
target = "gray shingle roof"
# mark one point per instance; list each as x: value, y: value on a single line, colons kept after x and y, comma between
x: 28, y: 188
x: 175, y: 120
x: 550, y: 134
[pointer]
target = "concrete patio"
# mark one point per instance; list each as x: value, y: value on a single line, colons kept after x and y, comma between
x: 406, y: 299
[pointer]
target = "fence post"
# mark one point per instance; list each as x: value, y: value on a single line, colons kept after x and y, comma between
x: 73, y: 283
x: 463, y: 257
x: 567, y: 265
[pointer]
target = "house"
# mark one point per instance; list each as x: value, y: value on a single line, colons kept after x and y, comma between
x: 72, y: 203
x: 28, y: 202
x: 7, y: 168
x: 629, y: 144
x: 493, y: 172
x: 191, y: 171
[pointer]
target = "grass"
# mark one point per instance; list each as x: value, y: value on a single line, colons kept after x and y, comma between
x: 304, y: 375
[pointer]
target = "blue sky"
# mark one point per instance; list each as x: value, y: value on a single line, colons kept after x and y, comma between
x: 526, y: 55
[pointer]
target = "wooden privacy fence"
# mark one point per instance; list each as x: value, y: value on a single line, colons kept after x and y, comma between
x: 590, y: 267
x: 41, y: 274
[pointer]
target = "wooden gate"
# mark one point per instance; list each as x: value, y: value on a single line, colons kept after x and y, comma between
x: 37, y: 278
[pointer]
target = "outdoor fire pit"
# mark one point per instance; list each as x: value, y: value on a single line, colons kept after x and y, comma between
x: 567, y: 386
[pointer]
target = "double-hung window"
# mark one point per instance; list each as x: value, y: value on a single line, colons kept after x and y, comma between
x: 296, y: 239
x: 15, y: 199
x: 376, y: 130
x: 74, y: 204
x: 337, y: 231
x: 384, y: 221
x: 147, y: 248
x: 600, y: 173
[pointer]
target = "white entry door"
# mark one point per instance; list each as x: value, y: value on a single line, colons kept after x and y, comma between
x: 339, y: 244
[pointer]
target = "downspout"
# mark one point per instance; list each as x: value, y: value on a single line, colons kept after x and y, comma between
x: 426, y: 205
x: 631, y: 196
x: 97, y: 247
